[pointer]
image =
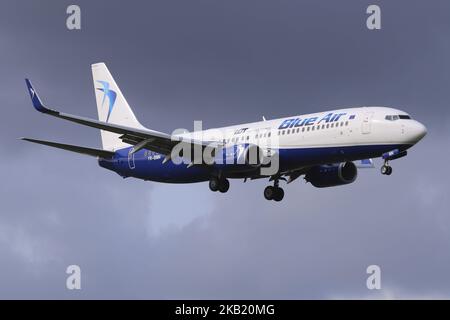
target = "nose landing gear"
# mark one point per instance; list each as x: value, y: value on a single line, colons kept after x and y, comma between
x: 386, y: 169
x: 274, y: 193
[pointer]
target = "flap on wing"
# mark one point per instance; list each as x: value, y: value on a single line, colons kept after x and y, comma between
x: 364, y: 164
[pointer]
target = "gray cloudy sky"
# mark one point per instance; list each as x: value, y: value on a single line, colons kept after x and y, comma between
x: 222, y: 62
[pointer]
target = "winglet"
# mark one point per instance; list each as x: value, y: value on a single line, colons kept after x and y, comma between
x: 37, y: 103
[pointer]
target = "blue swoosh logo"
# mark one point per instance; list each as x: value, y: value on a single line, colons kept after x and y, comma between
x: 111, y: 94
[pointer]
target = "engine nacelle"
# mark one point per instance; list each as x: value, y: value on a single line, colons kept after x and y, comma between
x: 331, y: 175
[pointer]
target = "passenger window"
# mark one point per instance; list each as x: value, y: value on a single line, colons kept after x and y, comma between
x: 303, y: 129
x: 288, y: 131
x: 307, y: 129
x: 328, y: 125
x: 268, y: 135
x: 346, y: 123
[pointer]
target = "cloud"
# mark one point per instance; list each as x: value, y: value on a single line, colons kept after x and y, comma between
x: 135, y: 239
x: 189, y: 203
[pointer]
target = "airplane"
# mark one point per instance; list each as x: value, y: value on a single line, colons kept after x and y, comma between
x: 326, y: 148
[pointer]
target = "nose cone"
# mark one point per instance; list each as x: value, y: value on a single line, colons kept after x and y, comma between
x: 418, y: 131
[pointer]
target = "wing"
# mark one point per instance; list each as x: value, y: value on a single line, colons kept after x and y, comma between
x: 78, y: 149
x: 139, y: 138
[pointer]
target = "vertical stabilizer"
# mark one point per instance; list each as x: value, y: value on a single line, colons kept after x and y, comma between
x: 112, y: 106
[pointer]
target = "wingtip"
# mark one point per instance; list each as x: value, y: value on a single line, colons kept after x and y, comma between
x: 25, y: 139
x: 37, y: 103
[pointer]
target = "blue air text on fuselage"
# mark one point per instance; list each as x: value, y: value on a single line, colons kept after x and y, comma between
x: 298, y: 122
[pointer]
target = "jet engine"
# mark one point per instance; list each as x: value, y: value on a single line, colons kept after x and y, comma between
x: 331, y: 175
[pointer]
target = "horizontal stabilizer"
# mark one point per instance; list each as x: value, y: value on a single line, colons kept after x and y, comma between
x: 83, y: 150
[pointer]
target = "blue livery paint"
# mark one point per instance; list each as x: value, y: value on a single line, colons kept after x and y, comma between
x: 394, y: 154
x: 147, y: 165
x: 111, y: 94
x: 37, y: 103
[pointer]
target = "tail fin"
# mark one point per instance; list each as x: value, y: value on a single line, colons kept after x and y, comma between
x: 111, y: 106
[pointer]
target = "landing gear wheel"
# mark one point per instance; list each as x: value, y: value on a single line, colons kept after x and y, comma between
x: 389, y: 172
x: 269, y: 192
x: 224, y: 185
x: 214, y: 184
x: 386, y: 170
x: 221, y: 185
x: 279, y: 194
x: 273, y: 193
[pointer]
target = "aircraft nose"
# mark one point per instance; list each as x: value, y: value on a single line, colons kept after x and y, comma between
x: 419, y: 131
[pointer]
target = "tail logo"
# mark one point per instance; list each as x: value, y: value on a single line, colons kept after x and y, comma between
x: 111, y: 94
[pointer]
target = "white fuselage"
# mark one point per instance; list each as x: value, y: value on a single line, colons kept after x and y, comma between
x: 355, y: 126
x: 299, y: 143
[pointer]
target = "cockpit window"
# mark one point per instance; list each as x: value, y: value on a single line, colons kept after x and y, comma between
x: 391, y: 117
x: 396, y: 117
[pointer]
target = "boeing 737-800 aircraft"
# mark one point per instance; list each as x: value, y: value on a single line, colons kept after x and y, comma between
x: 327, y: 148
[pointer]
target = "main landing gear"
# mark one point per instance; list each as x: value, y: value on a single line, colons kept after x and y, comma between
x: 274, y: 193
x: 386, y: 169
x: 216, y: 184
